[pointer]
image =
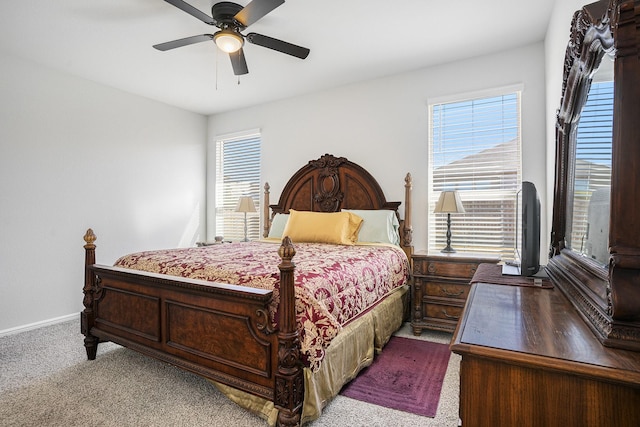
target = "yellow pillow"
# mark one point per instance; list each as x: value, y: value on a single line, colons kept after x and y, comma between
x: 339, y: 228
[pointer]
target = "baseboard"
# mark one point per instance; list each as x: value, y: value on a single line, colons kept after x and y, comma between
x: 36, y: 325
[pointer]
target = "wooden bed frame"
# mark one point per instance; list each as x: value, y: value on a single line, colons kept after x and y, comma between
x: 220, y: 331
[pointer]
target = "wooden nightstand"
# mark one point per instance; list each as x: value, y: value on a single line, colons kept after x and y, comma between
x: 440, y: 288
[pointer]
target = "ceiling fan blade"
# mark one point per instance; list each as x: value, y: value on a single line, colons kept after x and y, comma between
x: 238, y: 62
x: 186, y: 7
x: 279, y: 45
x: 183, y: 42
x: 256, y: 10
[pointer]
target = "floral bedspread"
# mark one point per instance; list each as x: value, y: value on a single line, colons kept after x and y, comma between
x: 334, y: 283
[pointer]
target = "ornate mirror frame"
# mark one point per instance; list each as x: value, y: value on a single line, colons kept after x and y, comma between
x: 608, y: 298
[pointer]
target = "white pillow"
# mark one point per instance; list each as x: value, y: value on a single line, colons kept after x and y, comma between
x: 278, y: 223
x: 379, y: 226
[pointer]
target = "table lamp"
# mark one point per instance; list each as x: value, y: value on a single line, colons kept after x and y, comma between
x: 449, y: 202
x: 245, y: 204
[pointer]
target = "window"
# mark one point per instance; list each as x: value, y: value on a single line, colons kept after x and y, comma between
x: 474, y: 148
x: 237, y: 175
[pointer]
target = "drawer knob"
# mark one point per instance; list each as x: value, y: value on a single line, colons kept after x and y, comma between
x: 449, y: 293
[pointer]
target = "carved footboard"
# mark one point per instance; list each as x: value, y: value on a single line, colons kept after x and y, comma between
x: 222, y: 332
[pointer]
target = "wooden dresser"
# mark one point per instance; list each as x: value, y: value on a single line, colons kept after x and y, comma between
x: 528, y: 359
x: 440, y: 288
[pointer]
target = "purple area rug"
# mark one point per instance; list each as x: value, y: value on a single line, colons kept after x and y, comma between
x: 406, y: 376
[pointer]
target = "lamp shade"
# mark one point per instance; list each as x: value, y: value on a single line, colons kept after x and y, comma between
x: 449, y: 202
x: 245, y: 204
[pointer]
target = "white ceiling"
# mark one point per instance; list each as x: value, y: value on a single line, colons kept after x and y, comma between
x: 110, y: 42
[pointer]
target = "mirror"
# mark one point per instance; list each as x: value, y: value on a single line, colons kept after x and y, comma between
x: 594, y: 258
x: 588, y: 224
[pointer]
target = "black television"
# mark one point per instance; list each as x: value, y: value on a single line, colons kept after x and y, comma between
x: 530, y: 247
x: 527, y: 248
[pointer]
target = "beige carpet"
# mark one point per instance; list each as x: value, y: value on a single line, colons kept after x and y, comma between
x: 45, y: 380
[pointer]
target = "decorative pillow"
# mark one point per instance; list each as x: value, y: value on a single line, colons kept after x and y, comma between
x: 378, y: 226
x: 278, y: 223
x: 339, y: 228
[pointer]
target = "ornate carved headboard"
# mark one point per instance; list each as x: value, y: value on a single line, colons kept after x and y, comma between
x: 330, y: 184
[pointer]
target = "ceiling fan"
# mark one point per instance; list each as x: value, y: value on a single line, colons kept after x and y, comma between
x: 231, y: 19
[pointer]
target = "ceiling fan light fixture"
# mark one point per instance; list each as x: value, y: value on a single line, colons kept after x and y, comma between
x: 228, y: 41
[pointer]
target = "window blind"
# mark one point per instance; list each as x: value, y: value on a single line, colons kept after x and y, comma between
x: 474, y: 148
x: 593, y: 157
x: 237, y: 175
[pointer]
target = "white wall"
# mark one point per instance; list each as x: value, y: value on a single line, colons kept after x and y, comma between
x: 382, y: 125
x: 73, y: 155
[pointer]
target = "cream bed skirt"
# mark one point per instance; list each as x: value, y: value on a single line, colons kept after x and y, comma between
x: 350, y: 351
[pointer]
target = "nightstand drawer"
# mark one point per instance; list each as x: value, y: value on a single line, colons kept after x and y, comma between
x: 442, y: 311
x: 446, y: 290
x: 458, y: 270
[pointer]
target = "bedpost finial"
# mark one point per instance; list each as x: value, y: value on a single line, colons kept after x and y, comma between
x: 287, y: 250
x: 89, y: 237
x: 267, y: 187
x: 408, y: 180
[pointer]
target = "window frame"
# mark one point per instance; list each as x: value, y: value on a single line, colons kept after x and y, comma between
x: 228, y: 223
x: 499, y: 235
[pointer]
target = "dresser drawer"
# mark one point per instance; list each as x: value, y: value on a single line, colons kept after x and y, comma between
x: 443, y: 311
x: 446, y: 290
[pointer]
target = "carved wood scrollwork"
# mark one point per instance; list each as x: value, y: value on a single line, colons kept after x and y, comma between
x: 98, y: 290
x: 287, y: 392
x: 87, y: 300
x: 263, y: 322
x: 328, y: 196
